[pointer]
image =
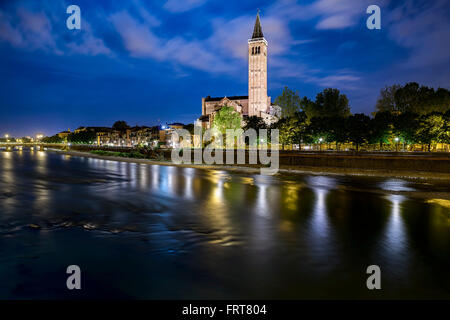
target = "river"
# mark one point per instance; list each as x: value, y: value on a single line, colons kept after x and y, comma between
x: 141, y: 231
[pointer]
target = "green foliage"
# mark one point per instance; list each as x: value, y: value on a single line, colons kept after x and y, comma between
x: 405, y: 127
x: 254, y: 122
x: 190, y: 128
x: 380, y: 128
x: 120, y: 125
x: 52, y: 139
x: 386, y: 102
x: 227, y: 118
x: 83, y: 137
x: 289, y: 102
x: 358, y: 129
x: 413, y: 98
x: 430, y: 129
x: 445, y: 137
x: 292, y: 130
x: 329, y: 103
x: 327, y: 130
x: 132, y: 154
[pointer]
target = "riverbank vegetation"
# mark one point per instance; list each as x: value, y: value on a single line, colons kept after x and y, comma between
x: 131, y: 154
x: 409, y: 117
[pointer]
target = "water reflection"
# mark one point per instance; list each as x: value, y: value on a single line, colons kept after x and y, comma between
x: 262, y: 236
x: 319, y: 221
x: 395, y: 185
x: 395, y: 229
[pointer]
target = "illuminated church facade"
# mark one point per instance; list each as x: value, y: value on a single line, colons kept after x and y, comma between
x: 257, y: 102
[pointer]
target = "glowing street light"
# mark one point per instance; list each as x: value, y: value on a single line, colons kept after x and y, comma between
x: 6, y: 136
x: 320, y: 144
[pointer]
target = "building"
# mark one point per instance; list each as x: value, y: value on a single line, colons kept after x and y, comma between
x: 144, y: 136
x: 64, y: 134
x: 108, y: 137
x: 166, y: 133
x: 257, y: 102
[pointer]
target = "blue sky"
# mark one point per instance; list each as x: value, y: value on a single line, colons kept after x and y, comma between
x: 150, y: 62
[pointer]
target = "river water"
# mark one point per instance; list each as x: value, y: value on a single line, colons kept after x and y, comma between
x: 141, y: 231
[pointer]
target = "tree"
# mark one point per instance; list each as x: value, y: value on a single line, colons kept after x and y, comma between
x: 189, y: 127
x: 380, y: 128
x: 329, y: 103
x: 292, y: 129
x: 289, y: 102
x: 319, y: 130
x: 120, y: 126
x: 405, y: 127
x: 255, y: 122
x: 83, y: 137
x: 386, y: 102
x: 407, y: 97
x: 445, y: 137
x: 288, y: 130
x: 414, y: 98
x: 431, y: 129
x: 358, y: 129
x: 337, y: 130
x: 440, y: 102
x: 52, y: 139
x: 307, y: 105
x: 226, y: 118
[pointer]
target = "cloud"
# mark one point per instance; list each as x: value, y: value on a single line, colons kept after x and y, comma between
x: 422, y: 29
x: 343, y: 80
x: 8, y: 33
x: 33, y: 30
x: 177, y: 6
x: 330, y: 14
x: 142, y: 42
x: 89, y: 44
x: 29, y: 30
x: 137, y: 37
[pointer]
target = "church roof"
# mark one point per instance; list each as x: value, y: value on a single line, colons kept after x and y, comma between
x: 208, y: 98
x: 257, y: 30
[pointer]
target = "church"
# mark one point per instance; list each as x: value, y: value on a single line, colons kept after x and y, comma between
x: 257, y: 103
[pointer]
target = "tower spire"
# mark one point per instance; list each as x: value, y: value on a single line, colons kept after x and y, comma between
x: 257, y: 30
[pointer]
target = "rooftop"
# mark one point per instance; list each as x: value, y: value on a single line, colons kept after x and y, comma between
x: 208, y: 98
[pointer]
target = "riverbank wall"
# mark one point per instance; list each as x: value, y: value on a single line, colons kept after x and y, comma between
x: 387, y: 161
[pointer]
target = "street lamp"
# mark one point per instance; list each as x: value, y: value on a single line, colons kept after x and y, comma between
x: 396, y: 139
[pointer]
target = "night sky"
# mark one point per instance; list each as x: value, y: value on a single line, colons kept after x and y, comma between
x: 150, y: 62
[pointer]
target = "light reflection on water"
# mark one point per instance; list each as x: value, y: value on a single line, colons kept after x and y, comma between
x: 289, y: 235
x: 395, y: 229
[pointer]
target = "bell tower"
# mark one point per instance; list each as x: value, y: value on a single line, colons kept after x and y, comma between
x: 257, y: 71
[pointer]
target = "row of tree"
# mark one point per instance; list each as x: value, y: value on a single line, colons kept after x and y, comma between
x: 83, y: 137
x: 359, y: 129
x: 409, y: 114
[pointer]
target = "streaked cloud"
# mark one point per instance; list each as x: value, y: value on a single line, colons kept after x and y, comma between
x: 178, y: 6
